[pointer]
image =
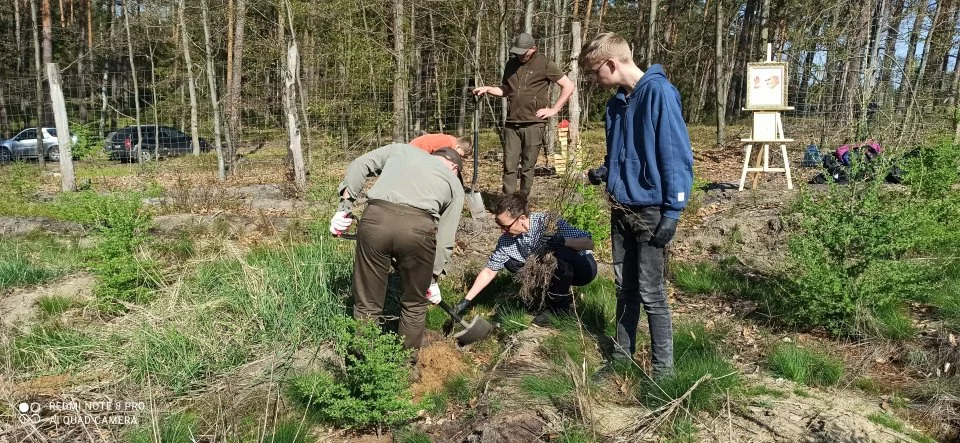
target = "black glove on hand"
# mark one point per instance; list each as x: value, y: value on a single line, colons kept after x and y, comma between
x: 462, y: 307
x: 597, y: 175
x: 556, y: 241
x: 513, y: 265
x: 664, y: 232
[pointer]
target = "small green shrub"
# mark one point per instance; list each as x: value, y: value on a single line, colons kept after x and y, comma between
x: 371, y: 390
x: 805, y: 366
x: 88, y: 142
x: 588, y: 212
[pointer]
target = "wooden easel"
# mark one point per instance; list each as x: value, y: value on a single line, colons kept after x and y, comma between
x: 767, y: 130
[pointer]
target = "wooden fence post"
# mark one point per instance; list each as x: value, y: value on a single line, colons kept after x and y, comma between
x: 68, y: 184
x: 293, y: 122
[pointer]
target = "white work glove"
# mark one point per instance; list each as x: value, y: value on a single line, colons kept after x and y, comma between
x: 433, y: 293
x: 340, y: 223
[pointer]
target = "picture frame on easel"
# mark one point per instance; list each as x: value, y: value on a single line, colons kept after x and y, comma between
x: 766, y: 86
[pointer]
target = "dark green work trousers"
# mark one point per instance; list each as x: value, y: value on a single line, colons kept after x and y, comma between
x: 409, y: 235
x: 521, y: 146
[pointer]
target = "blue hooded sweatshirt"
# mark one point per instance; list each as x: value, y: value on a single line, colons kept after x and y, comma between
x: 649, y: 156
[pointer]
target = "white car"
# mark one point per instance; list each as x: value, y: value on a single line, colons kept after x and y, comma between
x: 24, y: 145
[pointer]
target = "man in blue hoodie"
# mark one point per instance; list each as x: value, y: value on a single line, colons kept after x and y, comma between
x: 649, y: 173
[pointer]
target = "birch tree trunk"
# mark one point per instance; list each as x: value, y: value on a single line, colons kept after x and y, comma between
x: 67, y: 182
x: 212, y: 84
x: 302, y: 92
x: 133, y: 76
x: 293, y: 124
x: 191, y: 82
x: 527, y: 17
x: 47, y: 32
x: 103, y: 100
x: 574, y: 135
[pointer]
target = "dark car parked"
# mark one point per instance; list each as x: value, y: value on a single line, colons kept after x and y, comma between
x: 158, y: 142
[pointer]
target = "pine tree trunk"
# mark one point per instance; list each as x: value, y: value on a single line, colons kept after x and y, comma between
x: 235, y: 94
x: 652, y: 33
x: 191, y: 82
x: 212, y: 84
x: 720, y: 78
x: 16, y: 24
x: 400, y: 75
x: 39, y: 81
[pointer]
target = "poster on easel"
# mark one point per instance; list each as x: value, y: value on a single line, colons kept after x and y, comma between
x: 766, y: 86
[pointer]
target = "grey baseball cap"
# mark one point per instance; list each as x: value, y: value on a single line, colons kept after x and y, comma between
x: 454, y: 157
x: 522, y: 43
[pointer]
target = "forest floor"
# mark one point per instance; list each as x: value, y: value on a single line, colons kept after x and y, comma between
x: 525, y: 384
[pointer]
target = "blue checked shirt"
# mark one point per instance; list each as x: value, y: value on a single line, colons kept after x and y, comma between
x: 519, y: 247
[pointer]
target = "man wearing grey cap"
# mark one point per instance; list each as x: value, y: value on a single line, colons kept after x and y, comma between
x: 526, y: 85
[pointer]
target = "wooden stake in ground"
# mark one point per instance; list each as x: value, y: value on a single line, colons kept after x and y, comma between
x: 68, y: 184
x: 293, y: 123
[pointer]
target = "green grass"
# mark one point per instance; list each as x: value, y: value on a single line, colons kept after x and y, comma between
x: 569, y: 341
x: 556, y: 387
x: 182, y: 356
x: 705, y: 278
x: 575, y: 434
x: 867, y: 385
x: 51, y: 349
x: 805, y: 366
x: 696, y: 354
x: 763, y: 391
x: 35, y: 260
x: 411, y: 436
x: 288, y: 431
x: 512, y: 319
x: 801, y: 392
x: 174, y: 428
x: 597, y: 306
x: 54, y: 305
x: 886, y: 421
x: 17, y: 271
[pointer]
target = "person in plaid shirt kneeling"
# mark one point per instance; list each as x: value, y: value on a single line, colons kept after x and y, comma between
x: 525, y: 232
